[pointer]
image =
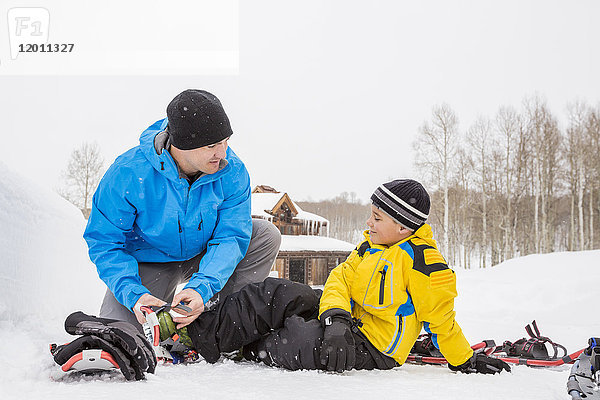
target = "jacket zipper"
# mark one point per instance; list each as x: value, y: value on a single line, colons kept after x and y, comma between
x: 187, y: 197
x: 372, y: 276
x: 382, y: 284
x: 181, y: 247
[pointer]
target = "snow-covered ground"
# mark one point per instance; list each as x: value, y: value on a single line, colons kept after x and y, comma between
x: 45, y: 274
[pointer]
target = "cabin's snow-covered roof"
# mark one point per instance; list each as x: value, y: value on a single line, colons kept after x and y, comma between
x: 316, y: 243
x: 266, y: 201
x: 307, y: 216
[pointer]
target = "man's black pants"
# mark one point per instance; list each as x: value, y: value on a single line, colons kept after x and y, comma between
x: 276, y: 322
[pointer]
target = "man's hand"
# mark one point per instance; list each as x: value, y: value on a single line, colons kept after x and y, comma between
x: 146, y: 300
x: 192, y: 299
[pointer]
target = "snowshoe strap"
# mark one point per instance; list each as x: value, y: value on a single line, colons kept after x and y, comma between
x: 557, y: 346
x: 543, y: 339
x: 90, y: 360
x: 535, y: 332
x: 151, y: 327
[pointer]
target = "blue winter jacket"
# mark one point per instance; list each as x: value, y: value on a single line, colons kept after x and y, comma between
x: 143, y: 211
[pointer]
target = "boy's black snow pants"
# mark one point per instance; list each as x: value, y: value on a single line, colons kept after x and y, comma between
x: 276, y: 322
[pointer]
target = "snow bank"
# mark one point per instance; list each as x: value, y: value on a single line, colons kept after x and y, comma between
x: 44, y: 268
x: 558, y: 290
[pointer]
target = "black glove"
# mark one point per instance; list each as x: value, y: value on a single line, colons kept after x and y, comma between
x: 127, y: 346
x: 482, y: 364
x: 337, y: 351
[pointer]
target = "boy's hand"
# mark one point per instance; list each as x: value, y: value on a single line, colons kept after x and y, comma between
x: 337, y: 351
x: 482, y: 364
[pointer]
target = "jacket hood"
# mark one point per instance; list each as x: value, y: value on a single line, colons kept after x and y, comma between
x: 160, y: 161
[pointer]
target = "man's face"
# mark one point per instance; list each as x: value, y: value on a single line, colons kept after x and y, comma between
x: 383, y: 229
x: 205, y: 159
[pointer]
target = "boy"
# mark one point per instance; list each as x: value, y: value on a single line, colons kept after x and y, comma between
x: 372, y: 309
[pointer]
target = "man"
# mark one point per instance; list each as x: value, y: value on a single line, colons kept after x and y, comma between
x: 176, y: 208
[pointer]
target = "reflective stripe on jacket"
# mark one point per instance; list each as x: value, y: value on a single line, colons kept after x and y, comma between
x: 143, y: 211
x: 393, y: 292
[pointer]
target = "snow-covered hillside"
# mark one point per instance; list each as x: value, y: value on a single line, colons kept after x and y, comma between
x: 44, y: 266
x: 45, y: 274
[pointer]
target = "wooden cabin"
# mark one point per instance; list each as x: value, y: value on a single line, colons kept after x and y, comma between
x: 310, y: 259
x: 286, y: 215
x: 306, y: 254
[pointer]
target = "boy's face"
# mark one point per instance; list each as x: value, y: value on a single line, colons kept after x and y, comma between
x: 383, y: 229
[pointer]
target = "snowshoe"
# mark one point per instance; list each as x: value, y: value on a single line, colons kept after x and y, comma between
x: 103, y: 345
x: 424, y: 346
x: 170, y: 344
x: 584, y: 380
x: 87, y: 362
x: 532, y: 352
x: 425, y: 352
x: 534, y: 348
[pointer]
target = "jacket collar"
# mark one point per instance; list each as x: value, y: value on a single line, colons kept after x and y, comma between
x: 424, y: 232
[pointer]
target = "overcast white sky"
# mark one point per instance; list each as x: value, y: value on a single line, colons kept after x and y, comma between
x: 329, y: 94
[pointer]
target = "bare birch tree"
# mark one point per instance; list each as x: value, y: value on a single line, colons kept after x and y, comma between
x: 507, y: 125
x: 435, y: 150
x: 593, y: 138
x: 478, y: 137
x: 576, y: 151
x: 81, y: 178
x: 465, y: 232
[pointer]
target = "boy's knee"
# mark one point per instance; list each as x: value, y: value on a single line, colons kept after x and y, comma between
x: 298, y: 298
x: 300, y: 329
x: 296, y: 346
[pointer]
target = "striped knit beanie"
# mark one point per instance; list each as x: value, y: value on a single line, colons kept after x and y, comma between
x: 404, y: 200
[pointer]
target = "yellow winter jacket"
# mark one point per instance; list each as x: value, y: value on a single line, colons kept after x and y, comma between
x: 394, y: 291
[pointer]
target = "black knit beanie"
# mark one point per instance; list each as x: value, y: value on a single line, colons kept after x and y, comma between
x: 404, y: 200
x: 196, y: 119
